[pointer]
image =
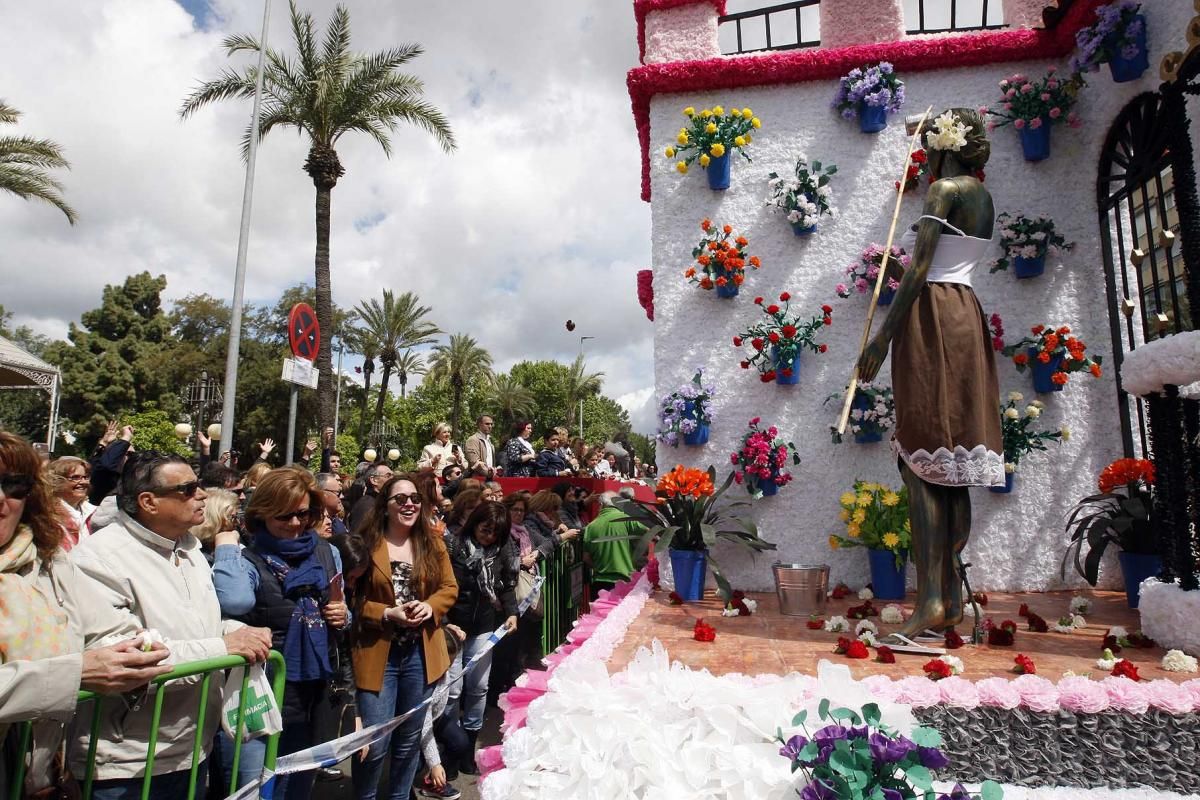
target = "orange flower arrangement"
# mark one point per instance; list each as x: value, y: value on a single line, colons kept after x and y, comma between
x: 685, y: 482
x: 721, y: 258
x: 1125, y: 471
x: 1048, y: 344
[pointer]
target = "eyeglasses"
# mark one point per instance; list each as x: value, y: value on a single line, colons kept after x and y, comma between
x: 79, y: 481
x: 335, y: 492
x: 400, y: 499
x: 188, y: 489
x: 16, y: 486
x: 302, y: 515
x: 517, y: 510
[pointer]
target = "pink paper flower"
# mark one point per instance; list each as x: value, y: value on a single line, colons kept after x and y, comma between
x: 1018, y: 123
x: 1126, y: 695
x: 884, y: 688
x: 1169, y: 696
x: 1193, y: 688
x: 1034, y: 123
x: 958, y: 692
x: 1055, y: 112
x: 1037, y: 693
x: 918, y: 692
x: 998, y: 693
x: 1082, y: 695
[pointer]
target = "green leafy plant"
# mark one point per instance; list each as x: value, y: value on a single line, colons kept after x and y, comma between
x: 876, y: 518
x: 855, y: 756
x: 1020, y: 437
x: 712, y: 133
x: 689, y: 515
x: 1122, y: 514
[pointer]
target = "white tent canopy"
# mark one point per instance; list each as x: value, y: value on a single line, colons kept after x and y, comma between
x: 20, y: 369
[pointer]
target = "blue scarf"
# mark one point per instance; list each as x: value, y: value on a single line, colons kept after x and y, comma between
x: 299, y: 571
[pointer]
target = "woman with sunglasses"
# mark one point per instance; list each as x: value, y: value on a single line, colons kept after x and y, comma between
x: 72, y: 480
x: 52, y: 624
x: 397, y: 649
x: 287, y: 579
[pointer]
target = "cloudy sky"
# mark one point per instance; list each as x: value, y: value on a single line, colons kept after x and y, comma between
x: 533, y: 220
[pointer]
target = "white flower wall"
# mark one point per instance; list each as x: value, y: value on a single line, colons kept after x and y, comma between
x: 1017, y: 539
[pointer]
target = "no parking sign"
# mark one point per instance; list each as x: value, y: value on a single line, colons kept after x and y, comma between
x: 304, y: 334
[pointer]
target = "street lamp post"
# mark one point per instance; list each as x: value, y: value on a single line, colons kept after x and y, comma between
x: 582, y: 339
x: 337, y: 403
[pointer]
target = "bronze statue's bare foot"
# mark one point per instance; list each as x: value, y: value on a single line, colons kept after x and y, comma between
x: 930, y: 616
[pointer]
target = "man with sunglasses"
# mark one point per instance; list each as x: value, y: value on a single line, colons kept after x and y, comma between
x: 331, y: 493
x: 150, y: 568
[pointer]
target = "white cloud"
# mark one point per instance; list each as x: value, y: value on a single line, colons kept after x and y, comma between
x: 533, y: 220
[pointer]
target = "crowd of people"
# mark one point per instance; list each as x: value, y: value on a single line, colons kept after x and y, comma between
x: 377, y: 587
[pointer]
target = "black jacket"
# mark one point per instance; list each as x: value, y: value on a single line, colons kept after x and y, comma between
x: 106, y: 470
x: 473, y: 611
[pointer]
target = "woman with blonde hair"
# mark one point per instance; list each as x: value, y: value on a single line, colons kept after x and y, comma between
x: 71, y: 479
x: 397, y: 649
x: 287, y: 579
x: 441, y: 452
x: 220, y: 516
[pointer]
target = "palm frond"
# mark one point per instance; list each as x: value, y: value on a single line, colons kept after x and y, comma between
x: 34, y: 152
x: 335, y: 51
x: 240, y: 42
x: 305, y: 39
x: 30, y: 183
x: 421, y: 114
x: 8, y: 114
x: 229, y: 85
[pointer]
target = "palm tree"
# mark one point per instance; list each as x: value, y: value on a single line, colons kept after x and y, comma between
x: 512, y: 400
x: 326, y: 92
x: 396, y: 324
x: 579, y: 384
x: 456, y: 363
x: 23, y: 164
x: 408, y: 364
x: 361, y: 341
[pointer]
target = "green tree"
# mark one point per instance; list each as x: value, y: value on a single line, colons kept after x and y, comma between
x: 510, y: 401
x: 154, y: 430
x: 363, y: 342
x: 546, y: 381
x: 327, y: 91
x: 396, y: 324
x: 603, y: 419
x: 23, y: 164
x: 409, y: 363
x: 455, y: 364
x: 579, y: 384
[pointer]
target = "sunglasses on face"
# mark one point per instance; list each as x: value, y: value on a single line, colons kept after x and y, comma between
x: 15, y: 486
x: 401, y: 499
x: 334, y: 492
x: 80, y: 480
x: 188, y: 489
x: 302, y: 515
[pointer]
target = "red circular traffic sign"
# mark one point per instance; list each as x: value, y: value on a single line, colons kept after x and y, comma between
x: 304, y: 335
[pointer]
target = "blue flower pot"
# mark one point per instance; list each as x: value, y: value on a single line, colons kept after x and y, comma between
x: 868, y: 437
x: 886, y: 296
x: 1130, y: 69
x: 700, y: 435
x: 1042, y: 372
x: 1036, y: 141
x: 1009, y: 479
x: 768, y: 487
x: 886, y: 580
x: 1136, y: 567
x: 1029, y: 267
x: 689, y: 568
x: 780, y: 366
x: 803, y: 230
x: 871, y: 119
x: 718, y: 172
x: 728, y: 290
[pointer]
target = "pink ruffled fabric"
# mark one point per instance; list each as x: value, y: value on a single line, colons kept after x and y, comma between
x: 534, y: 683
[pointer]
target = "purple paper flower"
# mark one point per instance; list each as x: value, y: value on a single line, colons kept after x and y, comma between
x: 888, y: 750
x: 791, y: 749
x: 818, y: 790
x: 932, y: 758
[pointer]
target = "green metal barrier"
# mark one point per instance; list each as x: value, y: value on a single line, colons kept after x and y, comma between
x: 562, y: 594
x: 206, y: 668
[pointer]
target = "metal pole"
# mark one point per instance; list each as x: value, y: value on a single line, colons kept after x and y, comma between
x: 337, y: 403
x: 239, y: 278
x: 581, y: 341
x: 291, y: 440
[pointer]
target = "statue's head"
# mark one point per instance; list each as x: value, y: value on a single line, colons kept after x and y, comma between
x: 959, y: 134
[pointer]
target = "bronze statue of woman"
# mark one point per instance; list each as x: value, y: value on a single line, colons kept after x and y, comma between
x: 948, y: 433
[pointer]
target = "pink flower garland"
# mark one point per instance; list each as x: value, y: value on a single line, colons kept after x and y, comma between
x: 643, y: 7
x: 645, y: 292
x: 801, y: 66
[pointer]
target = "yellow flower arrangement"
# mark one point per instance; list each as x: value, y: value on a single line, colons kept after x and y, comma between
x: 682, y: 167
x: 876, y: 517
x: 712, y: 133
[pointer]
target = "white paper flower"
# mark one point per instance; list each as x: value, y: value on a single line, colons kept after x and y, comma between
x: 865, y: 625
x: 837, y: 625
x: 892, y: 614
x: 751, y: 605
x: 1080, y: 604
x: 955, y: 663
x: 865, y: 594
x: 1117, y: 631
x: 1033, y: 412
x: 1179, y: 661
x: 1012, y: 413
x: 1107, y: 661
x: 1015, y: 397
x: 1077, y: 621
x: 729, y: 612
x: 868, y: 638
x: 969, y: 608
x: 1064, y: 625
x: 948, y: 133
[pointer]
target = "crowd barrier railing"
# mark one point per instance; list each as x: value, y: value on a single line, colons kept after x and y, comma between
x: 204, y: 668
x: 562, y: 594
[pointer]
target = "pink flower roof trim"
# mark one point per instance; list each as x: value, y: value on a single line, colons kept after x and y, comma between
x: 643, y: 7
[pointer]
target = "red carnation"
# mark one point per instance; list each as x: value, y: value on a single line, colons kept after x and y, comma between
x: 815, y: 624
x: 822, y: 348
x: 1024, y: 610
x: 827, y: 321
x: 884, y: 655
x: 827, y: 309
x: 789, y: 331
x: 784, y: 296
x: 786, y: 372
x: 756, y: 343
x: 768, y: 376
x: 953, y: 640
x: 937, y: 669
x: 1024, y: 665
x: 1008, y: 625
x: 857, y: 650
x: 981, y: 598
x: 703, y: 632
x: 1111, y: 643
x: 1036, y: 623
x: 772, y: 309
x: 1000, y: 637
x: 840, y: 592
x: 737, y: 341
x: 745, y: 365
x: 774, y: 337
x: 758, y: 301
x: 1125, y: 668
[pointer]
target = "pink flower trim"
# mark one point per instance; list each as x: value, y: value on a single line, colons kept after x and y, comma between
x: 813, y: 64
x: 645, y: 294
x: 643, y: 7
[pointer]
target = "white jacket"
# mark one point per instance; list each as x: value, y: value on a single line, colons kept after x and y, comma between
x: 45, y: 690
x: 154, y: 583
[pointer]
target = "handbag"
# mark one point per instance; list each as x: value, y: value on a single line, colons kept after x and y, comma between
x: 525, y: 587
x: 262, y: 715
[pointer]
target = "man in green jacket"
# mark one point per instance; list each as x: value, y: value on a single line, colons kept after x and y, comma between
x: 607, y: 545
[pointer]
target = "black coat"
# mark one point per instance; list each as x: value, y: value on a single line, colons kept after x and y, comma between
x: 473, y: 611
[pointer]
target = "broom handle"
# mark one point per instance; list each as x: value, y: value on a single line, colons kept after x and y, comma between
x: 844, y: 419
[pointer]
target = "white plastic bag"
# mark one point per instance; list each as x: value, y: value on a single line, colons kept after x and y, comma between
x: 262, y: 716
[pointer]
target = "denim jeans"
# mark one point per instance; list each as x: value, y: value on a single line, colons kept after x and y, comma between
x: 299, y: 703
x: 171, y: 786
x: 474, y: 688
x: 403, y: 688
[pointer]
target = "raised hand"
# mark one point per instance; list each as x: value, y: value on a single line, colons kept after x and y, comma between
x: 110, y: 433
x: 127, y: 433
x: 204, y: 442
x: 266, y: 445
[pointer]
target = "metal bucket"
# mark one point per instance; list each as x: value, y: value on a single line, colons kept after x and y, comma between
x: 801, y: 588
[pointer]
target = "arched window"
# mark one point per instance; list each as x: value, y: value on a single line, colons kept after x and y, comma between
x: 943, y: 16
x: 785, y: 26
